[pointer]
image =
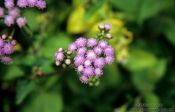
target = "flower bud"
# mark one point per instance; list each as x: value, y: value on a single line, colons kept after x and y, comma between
x: 68, y: 61
x: 108, y: 36
x: 101, y: 27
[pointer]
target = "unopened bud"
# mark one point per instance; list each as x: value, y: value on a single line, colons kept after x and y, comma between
x: 101, y: 26
x: 58, y: 63
x: 13, y: 42
x: 4, y: 36
x: 60, y: 49
x: 108, y: 35
x: 68, y: 61
x: 69, y: 52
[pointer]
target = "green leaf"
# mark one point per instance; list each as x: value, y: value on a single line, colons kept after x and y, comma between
x: 141, y: 10
x: 150, y: 8
x: 46, y: 66
x: 169, y: 30
x: 152, y: 102
x: 77, y: 3
x: 45, y: 102
x: 142, y: 82
x: 24, y: 88
x: 92, y: 9
x: 31, y: 17
x: 51, y: 45
x: 13, y: 73
x: 139, y: 60
x: 111, y: 76
x: 158, y: 71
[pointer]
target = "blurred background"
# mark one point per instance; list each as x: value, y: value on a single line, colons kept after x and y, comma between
x: 142, y: 78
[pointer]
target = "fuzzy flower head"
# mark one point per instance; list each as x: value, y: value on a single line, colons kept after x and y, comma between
x: 72, y: 47
x: 1, y: 42
x: 9, y: 20
x: 84, y: 79
x: 59, y: 56
x: 88, y: 71
x: 21, y: 22
x: 80, y: 42
x: 81, y: 51
x: 9, y: 4
x: 91, y: 55
x: 109, y: 51
x: 14, y: 12
x: 31, y: 3
x: 41, y: 4
x: 1, y: 12
x: 79, y: 60
x: 6, y: 60
x: 99, y: 62
x: 98, y: 72
x: 91, y: 42
x: 6, y: 49
x: 22, y: 3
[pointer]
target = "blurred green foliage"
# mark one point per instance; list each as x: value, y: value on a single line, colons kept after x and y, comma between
x: 143, y: 73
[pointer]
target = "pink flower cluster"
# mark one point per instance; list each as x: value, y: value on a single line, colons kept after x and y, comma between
x: 91, y: 57
x: 6, y: 49
x: 13, y: 14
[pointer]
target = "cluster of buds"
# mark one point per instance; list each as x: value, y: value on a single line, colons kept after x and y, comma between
x: 91, y: 55
x: 104, y: 31
x: 62, y: 57
x: 6, y: 49
x: 11, y: 13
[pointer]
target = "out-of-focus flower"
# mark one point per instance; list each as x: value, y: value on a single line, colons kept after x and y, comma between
x: 6, y: 49
x: 21, y: 22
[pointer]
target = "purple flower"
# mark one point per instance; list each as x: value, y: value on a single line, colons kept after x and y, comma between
x: 88, y: 71
x: 21, y: 22
x: 108, y: 27
x: 1, y: 12
x: 84, y: 79
x: 99, y: 62
x: 22, y: 3
x: 9, y: 4
x: 6, y: 60
x: 9, y: 20
x: 15, y: 12
x: 91, y: 55
x: 7, y: 49
x: 109, y: 60
x: 31, y: 3
x: 79, y: 60
x: 1, y: 42
x: 98, y: 50
x: 109, y: 51
x: 59, y: 56
x: 41, y: 4
x: 72, y: 47
x: 80, y: 68
x: 98, y: 72
x: 103, y: 44
x: 91, y: 42
x: 81, y: 51
x: 80, y: 42
x: 87, y: 63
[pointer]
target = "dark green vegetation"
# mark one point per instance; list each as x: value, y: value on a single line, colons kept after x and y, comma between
x: 34, y: 84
